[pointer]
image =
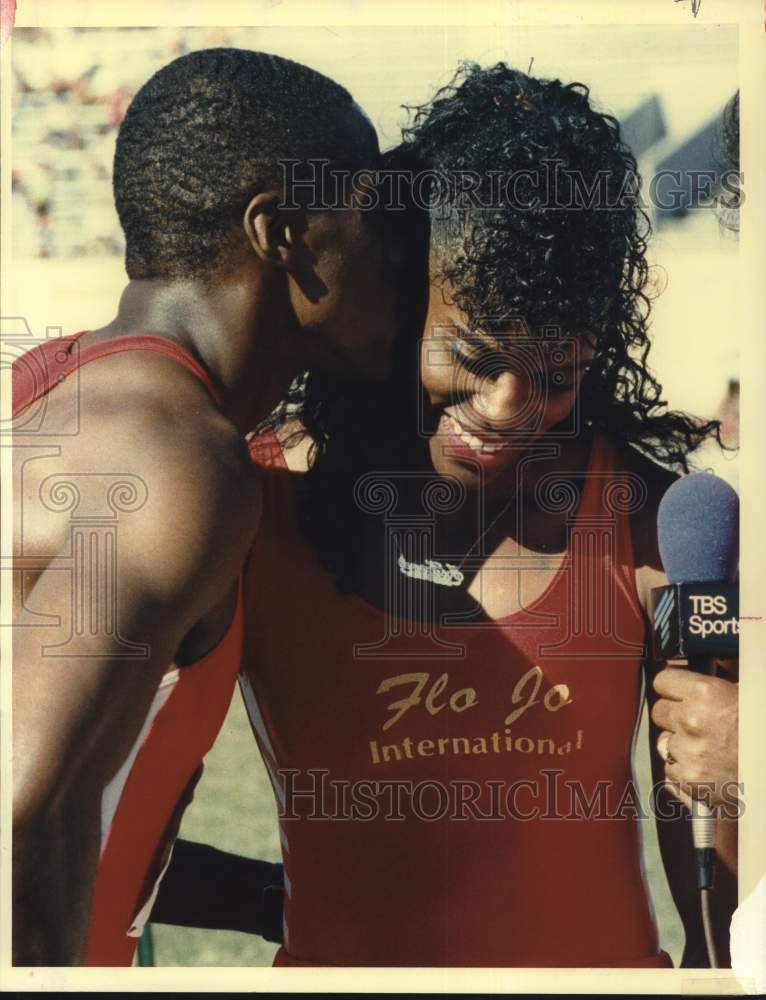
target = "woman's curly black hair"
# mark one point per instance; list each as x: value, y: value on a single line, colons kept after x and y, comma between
x: 568, y: 249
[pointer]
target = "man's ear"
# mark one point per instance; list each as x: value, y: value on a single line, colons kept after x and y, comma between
x: 269, y: 229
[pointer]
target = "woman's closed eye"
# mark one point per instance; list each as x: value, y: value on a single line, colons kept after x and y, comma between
x: 492, y: 364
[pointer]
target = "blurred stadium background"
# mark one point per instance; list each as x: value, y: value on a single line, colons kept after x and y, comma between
x: 667, y: 85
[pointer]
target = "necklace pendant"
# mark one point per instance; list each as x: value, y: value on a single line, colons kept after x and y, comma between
x: 433, y: 571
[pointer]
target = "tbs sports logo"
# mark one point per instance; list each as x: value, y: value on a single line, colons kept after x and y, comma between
x: 707, y: 616
x: 695, y: 619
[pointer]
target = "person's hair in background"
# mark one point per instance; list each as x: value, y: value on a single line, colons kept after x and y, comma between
x: 203, y: 135
x: 727, y: 201
x: 582, y: 269
x: 728, y: 198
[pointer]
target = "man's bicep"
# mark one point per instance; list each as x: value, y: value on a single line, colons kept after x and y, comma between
x: 105, y: 619
x: 189, y: 541
x: 83, y: 678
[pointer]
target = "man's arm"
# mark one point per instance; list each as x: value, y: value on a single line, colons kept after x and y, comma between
x: 673, y: 819
x: 73, y: 723
x: 701, y: 715
x: 677, y: 850
x: 75, y: 718
x: 205, y: 887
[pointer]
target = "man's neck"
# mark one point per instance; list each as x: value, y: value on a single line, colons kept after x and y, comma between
x: 230, y: 329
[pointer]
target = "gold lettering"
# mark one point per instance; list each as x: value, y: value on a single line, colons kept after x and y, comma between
x: 418, y: 679
x: 394, y: 748
x: 467, y: 695
x: 411, y: 749
x: 435, y: 691
x: 562, y: 693
x: 535, y: 675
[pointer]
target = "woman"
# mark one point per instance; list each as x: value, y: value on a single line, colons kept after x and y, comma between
x: 447, y: 603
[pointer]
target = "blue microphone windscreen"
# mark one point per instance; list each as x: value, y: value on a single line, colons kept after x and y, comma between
x: 698, y: 529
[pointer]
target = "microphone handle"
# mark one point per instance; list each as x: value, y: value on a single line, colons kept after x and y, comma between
x: 703, y: 837
x: 702, y: 814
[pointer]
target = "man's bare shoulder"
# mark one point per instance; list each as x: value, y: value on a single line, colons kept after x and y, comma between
x: 153, y: 409
x: 149, y: 423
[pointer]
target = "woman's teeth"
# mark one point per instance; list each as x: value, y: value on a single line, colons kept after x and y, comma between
x: 484, y: 447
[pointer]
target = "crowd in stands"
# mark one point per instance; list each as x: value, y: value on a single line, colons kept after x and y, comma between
x: 72, y: 87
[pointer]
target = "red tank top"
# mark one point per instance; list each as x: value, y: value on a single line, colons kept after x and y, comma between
x: 141, y: 807
x: 433, y: 784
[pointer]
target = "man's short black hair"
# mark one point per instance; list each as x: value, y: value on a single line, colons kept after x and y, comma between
x: 208, y: 131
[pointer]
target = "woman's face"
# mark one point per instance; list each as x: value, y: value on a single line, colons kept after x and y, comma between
x: 491, y: 398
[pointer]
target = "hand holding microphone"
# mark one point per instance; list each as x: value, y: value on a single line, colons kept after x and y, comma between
x: 699, y: 719
x: 696, y: 617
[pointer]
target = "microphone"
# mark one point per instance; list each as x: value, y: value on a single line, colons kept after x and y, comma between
x: 697, y: 615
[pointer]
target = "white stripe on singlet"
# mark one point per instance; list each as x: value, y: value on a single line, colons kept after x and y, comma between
x: 640, y: 822
x: 283, y: 838
x: 269, y: 759
x: 255, y: 715
x: 110, y: 797
x: 256, y: 720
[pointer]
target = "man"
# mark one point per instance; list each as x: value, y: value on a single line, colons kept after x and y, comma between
x: 230, y: 295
